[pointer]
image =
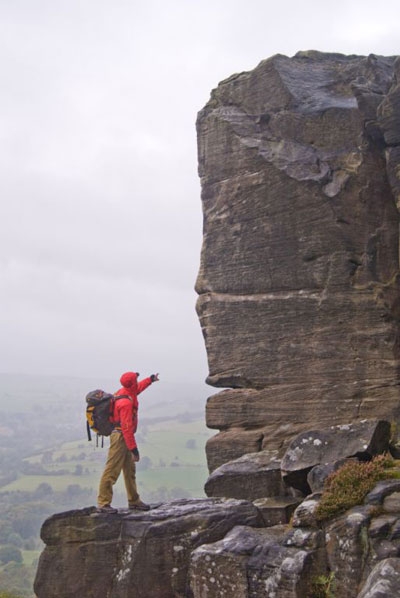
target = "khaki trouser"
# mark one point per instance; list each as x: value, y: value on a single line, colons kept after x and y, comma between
x: 119, y: 458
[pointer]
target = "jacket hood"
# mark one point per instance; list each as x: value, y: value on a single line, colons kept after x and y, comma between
x: 129, y: 380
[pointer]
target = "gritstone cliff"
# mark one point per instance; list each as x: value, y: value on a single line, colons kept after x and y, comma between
x: 298, y: 288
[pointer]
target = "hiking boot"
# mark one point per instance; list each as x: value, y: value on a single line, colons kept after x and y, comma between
x: 139, y: 506
x: 106, y: 509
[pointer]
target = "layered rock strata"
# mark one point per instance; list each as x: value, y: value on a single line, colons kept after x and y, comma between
x: 298, y: 283
x: 308, y: 460
x: 208, y: 549
x: 132, y: 555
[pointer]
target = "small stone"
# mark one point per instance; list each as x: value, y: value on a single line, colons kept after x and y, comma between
x: 391, y: 503
x: 304, y: 515
x: 381, y: 490
x: 380, y: 527
x: 385, y: 549
x: 276, y: 510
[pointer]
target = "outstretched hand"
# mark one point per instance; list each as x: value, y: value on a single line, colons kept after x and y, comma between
x: 154, y: 377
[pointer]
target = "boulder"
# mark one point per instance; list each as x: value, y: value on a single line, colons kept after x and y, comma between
x: 305, y: 514
x: 250, y: 563
x: 221, y: 568
x: 318, y: 475
x: 277, y: 510
x: 132, y: 555
x: 252, y: 476
x: 347, y: 549
x: 362, y: 439
x: 284, y: 571
x: 383, y: 581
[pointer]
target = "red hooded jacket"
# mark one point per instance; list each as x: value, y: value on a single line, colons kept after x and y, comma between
x: 125, y: 414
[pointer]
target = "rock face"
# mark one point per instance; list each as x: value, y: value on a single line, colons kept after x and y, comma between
x: 298, y: 286
x: 213, y: 548
x: 126, y: 555
x: 363, y: 440
x: 356, y: 555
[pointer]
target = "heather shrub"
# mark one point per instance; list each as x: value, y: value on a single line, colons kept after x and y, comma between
x: 349, y: 485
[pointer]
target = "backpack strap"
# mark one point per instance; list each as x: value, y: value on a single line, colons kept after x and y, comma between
x: 116, y: 397
x: 89, y: 436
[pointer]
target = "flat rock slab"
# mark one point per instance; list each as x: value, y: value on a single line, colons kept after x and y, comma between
x: 132, y: 555
x: 252, y: 476
x: 362, y: 439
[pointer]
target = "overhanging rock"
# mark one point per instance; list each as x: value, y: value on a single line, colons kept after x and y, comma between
x: 298, y: 283
x: 363, y: 440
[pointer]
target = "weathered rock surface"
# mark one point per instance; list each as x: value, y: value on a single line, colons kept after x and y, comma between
x: 132, y: 555
x: 277, y: 510
x: 252, y: 476
x: 252, y: 563
x: 291, y: 562
x: 383, y: 581
x: 298, y: 284
x: 213, y: 548
x: 362, y: 439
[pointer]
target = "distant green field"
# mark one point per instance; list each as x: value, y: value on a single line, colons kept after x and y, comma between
x: 30, y: 556
x: 172, y: 463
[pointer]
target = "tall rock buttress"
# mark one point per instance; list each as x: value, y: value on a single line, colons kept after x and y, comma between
x: 298, y: 286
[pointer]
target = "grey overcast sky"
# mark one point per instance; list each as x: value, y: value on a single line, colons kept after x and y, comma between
x: 100, y: 229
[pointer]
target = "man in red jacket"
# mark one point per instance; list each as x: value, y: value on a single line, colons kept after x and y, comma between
x: 123, y: 452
